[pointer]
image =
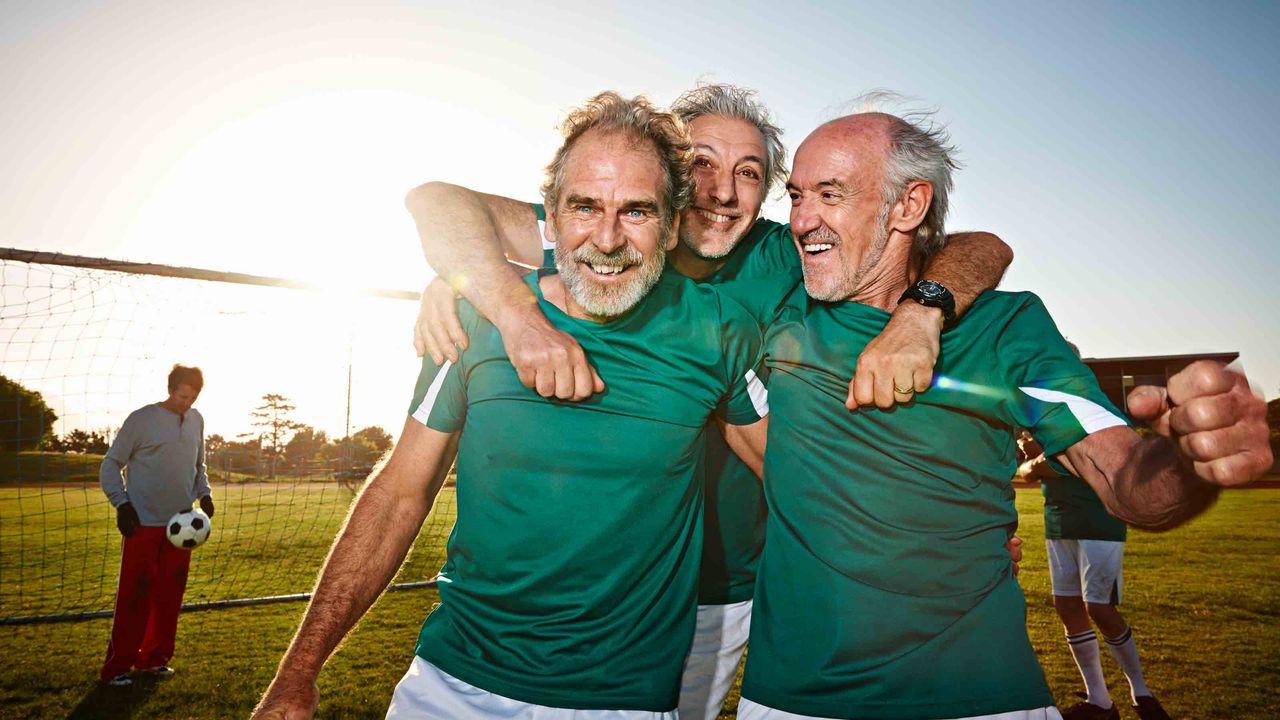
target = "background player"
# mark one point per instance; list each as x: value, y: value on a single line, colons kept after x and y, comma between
x: 162, y: 447
x: 1086, y: 550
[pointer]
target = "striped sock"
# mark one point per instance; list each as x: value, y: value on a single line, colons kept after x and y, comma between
x: 1125, y: 650
x: 1084, y: 648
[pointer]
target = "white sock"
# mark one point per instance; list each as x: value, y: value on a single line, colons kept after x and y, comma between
x: 1084, y: 648
x: 1125, y: 651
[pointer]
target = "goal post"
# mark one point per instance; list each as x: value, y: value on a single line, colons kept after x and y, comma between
x: 85, y: 341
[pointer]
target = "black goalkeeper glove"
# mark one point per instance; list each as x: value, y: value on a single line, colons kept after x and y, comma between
x: 206, y: 504
x: 127, y: 521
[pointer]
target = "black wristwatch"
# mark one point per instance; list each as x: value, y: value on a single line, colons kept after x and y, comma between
x: 932, y: 294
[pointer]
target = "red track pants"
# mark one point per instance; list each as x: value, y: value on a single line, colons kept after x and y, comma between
x: 153, y: 576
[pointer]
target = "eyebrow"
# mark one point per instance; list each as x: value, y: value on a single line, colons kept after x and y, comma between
x: 708, y: 148
x: 637, y: 204
x: 828, y: 183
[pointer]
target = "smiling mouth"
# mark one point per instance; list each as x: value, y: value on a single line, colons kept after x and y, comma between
x: 716, y: 217
x: 607, y: 269
x: 816, y: 248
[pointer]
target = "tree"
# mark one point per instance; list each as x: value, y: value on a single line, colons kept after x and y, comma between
x: 380, y: 439
x: 360, y: 450
x: 304, y: 447
x: 26, y: 422
x: 85, y: 442
x: 273, y: 417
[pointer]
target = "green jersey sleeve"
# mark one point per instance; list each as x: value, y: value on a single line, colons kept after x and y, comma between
x: 1057, y: 396
x: 747, y: 400
x: 440, y: 394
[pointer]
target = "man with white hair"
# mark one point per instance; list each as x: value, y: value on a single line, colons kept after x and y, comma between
x: 724, y: 242
x: 884, y: 590
x: 570, y: 582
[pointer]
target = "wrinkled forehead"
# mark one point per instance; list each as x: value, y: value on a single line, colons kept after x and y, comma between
x: 612, y: 166
x: 853, y: 152
x: 728, y: 134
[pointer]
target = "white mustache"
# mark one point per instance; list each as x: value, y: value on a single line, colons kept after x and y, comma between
x: 822, y: 235
x: 622, y: 257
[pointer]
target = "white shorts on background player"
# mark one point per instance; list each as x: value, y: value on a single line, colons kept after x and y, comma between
x: 427, y: 692
x: 748, y: 710
x: 1086, y: 568
x: 712, y: 665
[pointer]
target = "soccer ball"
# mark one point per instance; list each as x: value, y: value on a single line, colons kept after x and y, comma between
x: 188, y: 528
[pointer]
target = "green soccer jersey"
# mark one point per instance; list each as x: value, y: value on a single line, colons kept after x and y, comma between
x: 571, y: 571
x: 1073, y: 511
x: 885, y: 589
x: 734, y: 511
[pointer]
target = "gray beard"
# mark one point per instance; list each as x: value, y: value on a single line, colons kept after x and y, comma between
x: 686, y: 239
x: 609, y: 302
x: 847, y: 285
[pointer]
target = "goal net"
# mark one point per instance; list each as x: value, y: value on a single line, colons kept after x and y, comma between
x: 304, y: 389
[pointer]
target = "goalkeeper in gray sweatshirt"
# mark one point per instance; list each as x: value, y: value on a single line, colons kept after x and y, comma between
x: 162, y: 447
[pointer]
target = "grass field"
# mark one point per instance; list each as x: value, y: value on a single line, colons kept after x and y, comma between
x: 1204, y: 602
x: 59, y: 548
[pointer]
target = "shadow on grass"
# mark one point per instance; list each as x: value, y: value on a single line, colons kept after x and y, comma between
x: 105, y: 702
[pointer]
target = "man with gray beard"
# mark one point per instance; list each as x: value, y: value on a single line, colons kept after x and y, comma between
x: 570, y: 584
x: 884, y: 589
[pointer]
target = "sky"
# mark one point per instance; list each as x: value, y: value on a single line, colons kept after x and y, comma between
x: 1120, y: 149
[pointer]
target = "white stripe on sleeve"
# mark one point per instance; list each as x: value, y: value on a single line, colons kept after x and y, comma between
x: 542, y: 233
x: 424, y: 408
x: 1091, y: 416
x: 758, y: 392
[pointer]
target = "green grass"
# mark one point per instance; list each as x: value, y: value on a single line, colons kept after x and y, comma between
x: 39, y: 467
x: 59, y: 548
x: 1204, y: 602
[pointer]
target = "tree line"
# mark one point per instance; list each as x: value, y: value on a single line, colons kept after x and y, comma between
x: 277, y: 445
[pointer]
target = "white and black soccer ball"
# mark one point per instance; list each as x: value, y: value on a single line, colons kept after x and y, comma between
x: 188, y: 528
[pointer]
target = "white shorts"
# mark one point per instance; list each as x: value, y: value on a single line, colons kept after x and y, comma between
x: 1086, y: 568
x: 748, y: 710
x: 712, y: 664
x: 426, y: 691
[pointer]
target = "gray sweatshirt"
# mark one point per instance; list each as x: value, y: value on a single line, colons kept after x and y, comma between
x: 164, y: 455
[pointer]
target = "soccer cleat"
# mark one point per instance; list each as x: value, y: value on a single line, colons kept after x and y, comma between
x: 1089, y: 711
x: 1148, y: 708
x: 121, y: 680
x: 162, y: 672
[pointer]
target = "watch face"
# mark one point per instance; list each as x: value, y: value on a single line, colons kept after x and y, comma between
x: 930, y: 289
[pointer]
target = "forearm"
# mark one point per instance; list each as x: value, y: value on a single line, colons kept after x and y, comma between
x: 969, y: 264
x: 112, y: 482
x: 467, y: 237
x: 202, y: 475
x: 1146, y: 484
x: 372, y: 544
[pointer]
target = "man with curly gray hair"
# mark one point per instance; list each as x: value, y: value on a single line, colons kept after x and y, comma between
x: 570, y: 583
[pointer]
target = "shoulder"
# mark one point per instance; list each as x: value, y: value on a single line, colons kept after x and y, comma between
x: 773, y: 240
x: 145, y: 413
x: 994, y: 310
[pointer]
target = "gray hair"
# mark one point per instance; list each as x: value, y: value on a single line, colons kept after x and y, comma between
x: 919, y: 149
x: 640, y: 121
x: 736, y: 102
